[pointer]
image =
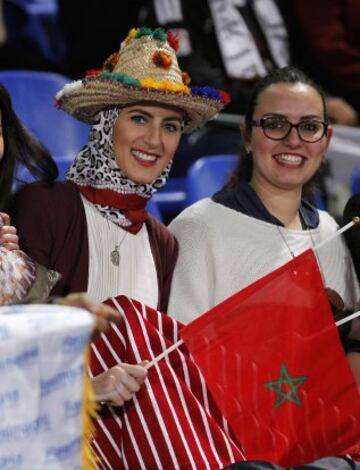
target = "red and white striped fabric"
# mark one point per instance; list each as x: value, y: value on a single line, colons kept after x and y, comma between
x: 172, y: 422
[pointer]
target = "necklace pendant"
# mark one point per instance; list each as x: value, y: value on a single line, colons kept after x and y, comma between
x: 115, y: 256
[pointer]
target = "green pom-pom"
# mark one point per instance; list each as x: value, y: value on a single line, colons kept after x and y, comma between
x: 159, y: 34
x: 143, y: 31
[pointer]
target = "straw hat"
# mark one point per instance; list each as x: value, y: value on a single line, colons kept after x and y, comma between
x: 144, y: 70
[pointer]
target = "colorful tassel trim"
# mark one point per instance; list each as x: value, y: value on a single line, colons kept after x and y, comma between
x: 164, y: 86
x: 120, y: 77
x: 204, y: 92
x: 145, y: 82
x: 211, y: 93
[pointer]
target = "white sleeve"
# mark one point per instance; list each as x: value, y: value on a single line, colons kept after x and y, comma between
x: 193, y: 279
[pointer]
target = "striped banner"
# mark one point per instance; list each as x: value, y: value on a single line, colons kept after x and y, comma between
x: 172, y: 422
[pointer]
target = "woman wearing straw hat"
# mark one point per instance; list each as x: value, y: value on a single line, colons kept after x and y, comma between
x: 94, y: 228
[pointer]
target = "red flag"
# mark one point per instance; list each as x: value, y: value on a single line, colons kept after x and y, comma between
x: 272, y: 358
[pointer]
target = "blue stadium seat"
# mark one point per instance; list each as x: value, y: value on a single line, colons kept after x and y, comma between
x: 63, y: 164
x: 355, y: 181
x: 154, y: 210
x: 33, y: 96
x: 207, y: 175
x: 171, y: 198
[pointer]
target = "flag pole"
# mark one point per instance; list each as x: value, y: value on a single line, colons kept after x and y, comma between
x: 355, y: 221
x: 164, y: 353
x: 348, y: 318
x: 108, y: 396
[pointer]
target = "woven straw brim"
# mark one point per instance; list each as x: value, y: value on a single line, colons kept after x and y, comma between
x: 99, y: 93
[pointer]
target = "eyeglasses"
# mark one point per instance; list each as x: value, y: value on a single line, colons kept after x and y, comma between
x: 276, y: 128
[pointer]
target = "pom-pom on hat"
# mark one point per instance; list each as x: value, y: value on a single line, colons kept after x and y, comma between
x: 144, y: 70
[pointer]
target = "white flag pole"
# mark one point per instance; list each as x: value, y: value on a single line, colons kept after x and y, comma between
x: 108, y: 396
x: 348, y: 318
x: 355, y: 221
x: 164, y: 353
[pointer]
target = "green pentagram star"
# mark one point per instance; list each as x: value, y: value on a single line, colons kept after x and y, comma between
x: 290, y: 392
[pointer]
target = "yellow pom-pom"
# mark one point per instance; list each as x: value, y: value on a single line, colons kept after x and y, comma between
x: 131, y: 34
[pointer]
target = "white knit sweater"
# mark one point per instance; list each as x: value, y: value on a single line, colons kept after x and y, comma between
x: 222, y: 251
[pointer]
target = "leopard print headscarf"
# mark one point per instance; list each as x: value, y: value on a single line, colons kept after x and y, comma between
x: 95, y: 166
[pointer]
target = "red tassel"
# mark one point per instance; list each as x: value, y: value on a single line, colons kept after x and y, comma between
x: 172, y: 40
x: 225, y: 96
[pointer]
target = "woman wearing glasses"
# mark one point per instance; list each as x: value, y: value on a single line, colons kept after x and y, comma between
x: 262, y: 217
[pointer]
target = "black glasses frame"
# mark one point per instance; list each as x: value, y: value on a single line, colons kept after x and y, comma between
x: 261, y: 123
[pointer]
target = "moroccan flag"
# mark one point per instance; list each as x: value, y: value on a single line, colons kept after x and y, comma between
x: 272, y: 358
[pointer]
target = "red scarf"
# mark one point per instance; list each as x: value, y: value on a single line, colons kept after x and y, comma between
x: 131, y: 205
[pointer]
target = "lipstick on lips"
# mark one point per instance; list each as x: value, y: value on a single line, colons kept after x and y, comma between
x: 146, y: 159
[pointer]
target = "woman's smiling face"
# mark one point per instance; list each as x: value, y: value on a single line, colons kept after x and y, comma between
x: 289, y: 163
x: 145, y: 138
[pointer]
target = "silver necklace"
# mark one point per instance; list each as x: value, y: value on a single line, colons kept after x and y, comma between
x: 308, y: 229
x: 282, y: 235
x: 115, y: 253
